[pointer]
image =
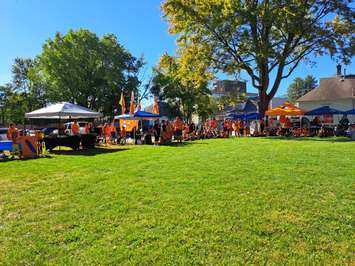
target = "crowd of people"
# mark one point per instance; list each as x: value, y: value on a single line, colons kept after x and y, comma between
x: 165, y: 131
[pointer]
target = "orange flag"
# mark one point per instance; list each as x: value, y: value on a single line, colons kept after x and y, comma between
x: 139, y: 106
x: 132, y: 107
x: 123, y: 104
x: 155, y: 106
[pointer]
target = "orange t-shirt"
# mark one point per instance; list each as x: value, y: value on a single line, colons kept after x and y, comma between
x: 75, y: 129
x: 12, y: 133
x: 213, y: 123
x: 112, y: 128
x: 178, y: 124
x: 107, y: 130
x: 283, y: 119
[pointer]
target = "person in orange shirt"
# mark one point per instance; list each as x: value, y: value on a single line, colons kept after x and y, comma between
x: 213, y: 126
x: 107, y: 133
x: 75, y: 129
x: 12, y: 133
x: 178, y: 127
x: 283, y: 121
x: 113, y: 133
x: 225, y: 128
x: 88, y: 128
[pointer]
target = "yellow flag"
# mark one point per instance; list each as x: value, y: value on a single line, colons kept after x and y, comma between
x: 123, y: 104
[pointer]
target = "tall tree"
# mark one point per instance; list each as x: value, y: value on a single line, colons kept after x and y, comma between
x: 265, y: 37
x: 182, y: 82
x: 82, y: 68
x: 300, y: 87
x: 27, y: 84
x: 13, y: 105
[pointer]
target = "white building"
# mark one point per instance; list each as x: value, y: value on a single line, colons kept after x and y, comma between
x: 337, y: 92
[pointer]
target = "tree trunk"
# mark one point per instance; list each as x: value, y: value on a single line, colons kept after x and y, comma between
x: 264, y: 101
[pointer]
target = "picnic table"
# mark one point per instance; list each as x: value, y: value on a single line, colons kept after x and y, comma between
x: 87, y: 141
x: 72, y: 142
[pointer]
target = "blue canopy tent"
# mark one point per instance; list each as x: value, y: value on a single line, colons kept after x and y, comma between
x: 125, y: 117
x: 142, y: 115
x: 350, y: 112
x: 251, y: 116
x: 249, y: 110
x: 250, y: 107
x: 139, y: 115
x: 324, y: 110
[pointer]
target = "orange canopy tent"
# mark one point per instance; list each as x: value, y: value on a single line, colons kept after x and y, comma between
x: 286, y: 108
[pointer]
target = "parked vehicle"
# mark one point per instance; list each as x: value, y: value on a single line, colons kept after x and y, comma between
x: 49, y: 130
x: 350, y: 132
x: 3, y: 133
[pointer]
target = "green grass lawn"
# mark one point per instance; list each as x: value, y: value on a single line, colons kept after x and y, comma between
x: 217, y: 202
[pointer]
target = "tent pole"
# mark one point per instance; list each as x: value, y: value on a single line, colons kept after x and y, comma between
x: 58, y: 128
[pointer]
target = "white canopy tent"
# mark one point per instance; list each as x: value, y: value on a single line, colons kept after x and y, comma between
x: 63, y: 110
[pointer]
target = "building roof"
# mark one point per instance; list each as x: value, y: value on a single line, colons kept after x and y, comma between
x: 276, y: 101
x: 339, y: 87
x: 228, y: 86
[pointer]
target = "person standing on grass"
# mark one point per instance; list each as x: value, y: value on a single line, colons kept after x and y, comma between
x: 178, y: 127
x: 12, y: 133
x: 156, y: 130
x: 262, y: 126
x: 107, y: 133
x: 75, y: 129
x: 123, y: 135
x: 213, y: 126
x: 113, y: 132
x: 234, y: 128
x: 170, y: 129
x: 225, y: 127
x: 241, y: 128
x: 89, y: 128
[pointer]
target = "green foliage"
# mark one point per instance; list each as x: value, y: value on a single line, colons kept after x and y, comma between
x: 13, y: 105
x: 263, y: 38
x: 300, y: 87
x: 78, y: 67
x: 22, y: 95
x: 211, y: 202
x: 25, y: 82
x: 230, y: 100
x: 183, y: 83
x: 82, y: 68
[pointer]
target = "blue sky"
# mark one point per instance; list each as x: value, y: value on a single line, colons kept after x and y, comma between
x: 26, y: 24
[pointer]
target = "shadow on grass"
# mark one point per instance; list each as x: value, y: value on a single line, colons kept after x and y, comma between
x: 16, y: 158
x: 325, y: 139
x: 185, y: 144
x: 88, y: 152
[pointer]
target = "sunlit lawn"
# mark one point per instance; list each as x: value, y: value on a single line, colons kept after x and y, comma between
x: 235, y: 201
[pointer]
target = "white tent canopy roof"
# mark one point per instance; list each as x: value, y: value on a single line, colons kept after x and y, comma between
x: 63, y: 110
